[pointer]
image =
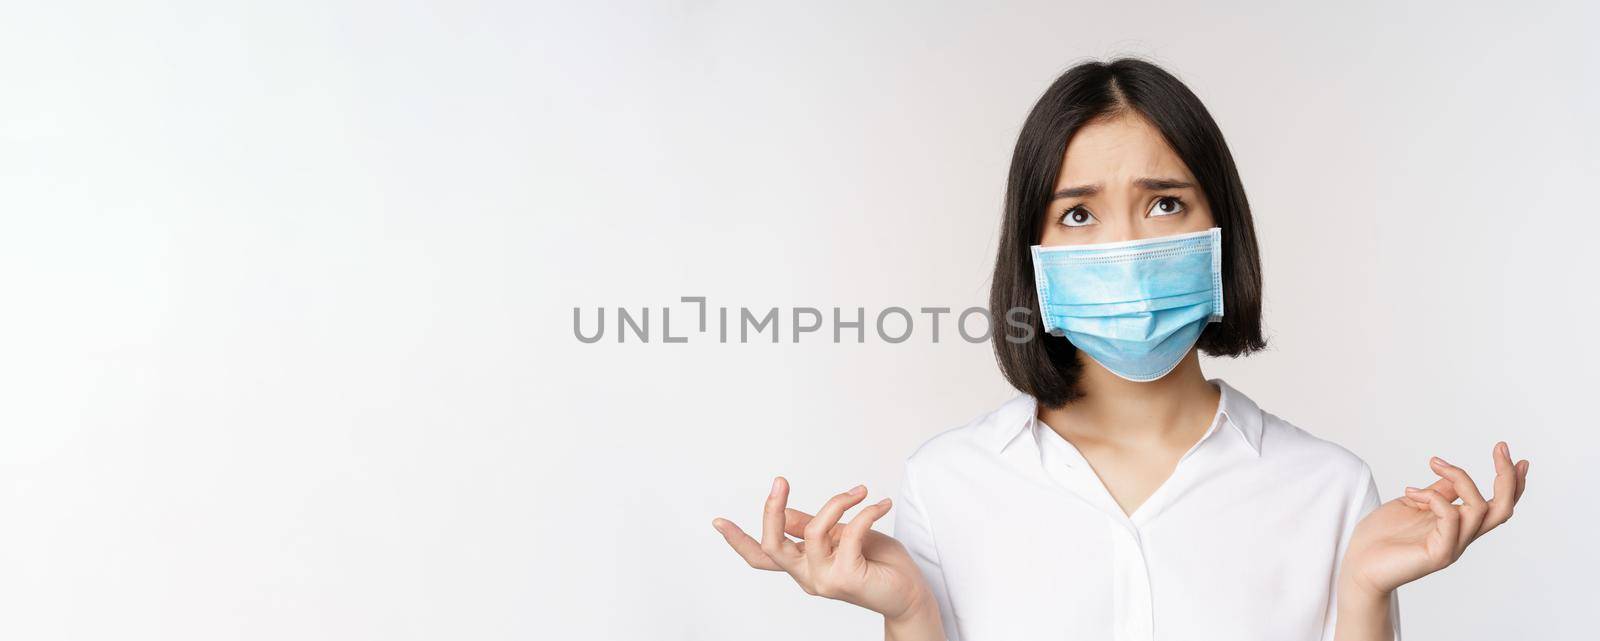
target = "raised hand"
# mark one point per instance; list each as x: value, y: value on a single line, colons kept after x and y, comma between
x: 1427, y: 530
x: 846, y: 561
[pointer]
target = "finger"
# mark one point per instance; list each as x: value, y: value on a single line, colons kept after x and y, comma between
x: 1522, y: 478
x: 773, y: 542
x: 819, y: 545
x: 1505, y: 489
x: 794, y: 522
x: 1445, y: 487
x: 1458, y: 480
x: 1473, y: 507
x: 850, y: 543
x: 748, y: 548
x: 1447, y: 523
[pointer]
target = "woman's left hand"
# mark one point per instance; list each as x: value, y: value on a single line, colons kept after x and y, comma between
x: 1426, y: 530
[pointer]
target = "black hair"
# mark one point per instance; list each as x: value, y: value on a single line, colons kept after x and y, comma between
x: 1047, y: 367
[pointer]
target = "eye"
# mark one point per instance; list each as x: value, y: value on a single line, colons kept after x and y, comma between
x: 1078, y: 217
x: 1167, y: 206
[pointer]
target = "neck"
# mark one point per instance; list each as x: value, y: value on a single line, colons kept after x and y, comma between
x: 1116, y: 409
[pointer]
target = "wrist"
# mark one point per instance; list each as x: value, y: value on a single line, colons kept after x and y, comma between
x: 1356, y: 592
x: 1362, y: 592
x: 918, y: 622
x: 1363, y: 613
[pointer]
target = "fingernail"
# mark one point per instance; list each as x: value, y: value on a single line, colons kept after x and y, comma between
x: 716, y: 524
x: 1410, y: 489
x: 1439, y: 461
x: 883, y: 502
x: 775, y: 481
x: 858, y: 489
x: 1505, y: 450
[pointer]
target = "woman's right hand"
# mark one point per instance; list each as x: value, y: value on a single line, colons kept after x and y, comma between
x: 846, y: 561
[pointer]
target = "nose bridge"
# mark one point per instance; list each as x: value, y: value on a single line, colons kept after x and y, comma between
x: 1127, y: 219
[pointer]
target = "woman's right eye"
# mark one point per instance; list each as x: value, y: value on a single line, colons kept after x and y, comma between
x: 1078, y: 217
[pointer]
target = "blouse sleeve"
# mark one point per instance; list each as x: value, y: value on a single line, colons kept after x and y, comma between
x: 1366, y: 501
x: 912, y: 529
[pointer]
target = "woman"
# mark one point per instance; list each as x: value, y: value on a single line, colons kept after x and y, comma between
x: 1123, y: 495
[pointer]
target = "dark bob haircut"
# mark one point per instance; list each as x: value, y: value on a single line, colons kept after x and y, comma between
x: 1047, y: 367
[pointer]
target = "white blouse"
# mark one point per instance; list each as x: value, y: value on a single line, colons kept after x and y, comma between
x: 1019, y: 539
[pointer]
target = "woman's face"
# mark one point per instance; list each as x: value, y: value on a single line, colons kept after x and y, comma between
x: 1120, y: 181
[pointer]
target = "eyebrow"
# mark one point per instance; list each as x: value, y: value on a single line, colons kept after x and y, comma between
x: 1148, y: 184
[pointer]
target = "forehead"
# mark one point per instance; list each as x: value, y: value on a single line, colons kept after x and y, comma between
x: 1122, y: 147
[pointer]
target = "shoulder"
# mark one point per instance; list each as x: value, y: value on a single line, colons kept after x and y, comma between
x: 977, y: 438
x: 1286, y: 444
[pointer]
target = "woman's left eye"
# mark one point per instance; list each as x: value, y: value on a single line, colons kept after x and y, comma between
x: 1167, y: 206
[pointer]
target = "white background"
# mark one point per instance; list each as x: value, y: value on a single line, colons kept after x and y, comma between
x: 286, y: 291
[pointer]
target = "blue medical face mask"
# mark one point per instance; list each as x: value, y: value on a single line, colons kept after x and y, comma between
x: 1135, y: 307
